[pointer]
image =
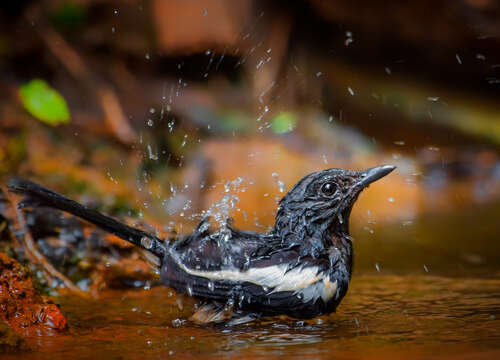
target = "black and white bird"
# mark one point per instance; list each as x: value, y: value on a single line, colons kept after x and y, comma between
x: 301, y: 268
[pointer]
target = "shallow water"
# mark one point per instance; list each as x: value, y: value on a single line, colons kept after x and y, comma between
x: 449, y: 309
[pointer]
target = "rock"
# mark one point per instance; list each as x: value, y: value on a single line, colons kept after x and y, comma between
x: 195, y: 26
x: 263, y: 164
x: 21, y: 306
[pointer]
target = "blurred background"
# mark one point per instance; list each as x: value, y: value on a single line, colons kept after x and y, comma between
x: 156, y: 111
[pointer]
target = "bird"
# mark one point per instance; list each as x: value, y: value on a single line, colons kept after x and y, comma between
x: 300, y: 268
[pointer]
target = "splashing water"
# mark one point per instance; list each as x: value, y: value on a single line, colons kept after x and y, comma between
x: 280, y: 183
x: 220, y: 210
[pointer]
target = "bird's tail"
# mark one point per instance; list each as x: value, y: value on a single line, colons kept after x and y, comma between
x: 37, y: 195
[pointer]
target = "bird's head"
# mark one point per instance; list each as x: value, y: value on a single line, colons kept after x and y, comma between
x: 322, y: 201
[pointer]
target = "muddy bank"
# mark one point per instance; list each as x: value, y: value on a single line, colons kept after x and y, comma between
x: 22, y: 306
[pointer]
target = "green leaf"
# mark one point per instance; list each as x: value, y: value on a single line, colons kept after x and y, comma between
x: 283, y: 123
x: 44, y: 103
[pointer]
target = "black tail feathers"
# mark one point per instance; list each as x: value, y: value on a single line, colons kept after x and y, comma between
x: 37, y: 196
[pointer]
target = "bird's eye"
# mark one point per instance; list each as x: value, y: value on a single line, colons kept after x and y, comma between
x: 328, y: 188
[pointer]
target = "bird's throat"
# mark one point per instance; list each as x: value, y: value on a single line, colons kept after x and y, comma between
x: 340, y: 224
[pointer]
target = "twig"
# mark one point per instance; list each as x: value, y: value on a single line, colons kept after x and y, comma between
x: 114, y: 115
x: 35, y: 256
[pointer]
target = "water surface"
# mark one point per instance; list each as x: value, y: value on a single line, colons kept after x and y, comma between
x: 422, y: 290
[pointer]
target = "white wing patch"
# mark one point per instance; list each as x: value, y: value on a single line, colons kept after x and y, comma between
x: 307, y: 282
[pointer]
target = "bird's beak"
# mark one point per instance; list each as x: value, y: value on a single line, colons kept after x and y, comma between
x: 373, y: 174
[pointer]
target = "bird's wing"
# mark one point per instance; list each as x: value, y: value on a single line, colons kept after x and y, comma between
x: 274, y: 284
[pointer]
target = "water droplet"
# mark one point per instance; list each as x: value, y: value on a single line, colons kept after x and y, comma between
x: 151, y: 155
x: 184, y: 141
x: 146, y: 242
x: 349, y: 39
x: 281, y: 186
x: 187, y: 205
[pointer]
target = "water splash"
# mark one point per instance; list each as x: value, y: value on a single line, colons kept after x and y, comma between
x: 280, y: 183
x: 220, y: 210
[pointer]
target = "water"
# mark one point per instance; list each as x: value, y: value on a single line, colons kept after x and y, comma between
x: 383, y: 316
x: 437, y: 295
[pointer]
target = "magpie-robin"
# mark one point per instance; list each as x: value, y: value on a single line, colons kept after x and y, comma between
x: 301, y: 268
